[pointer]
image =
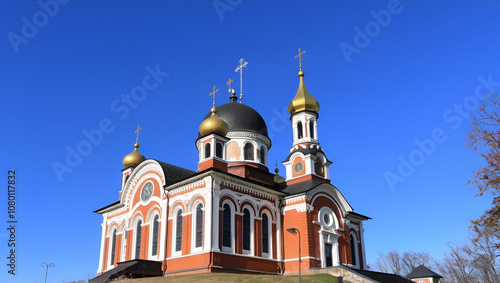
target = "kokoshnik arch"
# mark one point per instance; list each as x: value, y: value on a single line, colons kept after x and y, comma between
x: 232, y: 214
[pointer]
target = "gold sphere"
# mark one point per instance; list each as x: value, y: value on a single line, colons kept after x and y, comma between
x: 277, y: 178
x: 213, y: 124
x: 301, y: 73
x: 134, y: 158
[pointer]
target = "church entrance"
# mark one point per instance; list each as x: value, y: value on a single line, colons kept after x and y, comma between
x: 328, y: 255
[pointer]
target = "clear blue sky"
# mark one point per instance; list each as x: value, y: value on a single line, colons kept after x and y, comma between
x: 383, y: 84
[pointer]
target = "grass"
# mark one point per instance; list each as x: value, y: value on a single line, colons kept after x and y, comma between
x: 235, y: 278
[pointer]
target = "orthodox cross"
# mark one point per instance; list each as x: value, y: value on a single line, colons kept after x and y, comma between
x: 137, y: 132
x: 229, y: 84
x: 240, y: 67
x: 213, y: 93
x: 300, y: 57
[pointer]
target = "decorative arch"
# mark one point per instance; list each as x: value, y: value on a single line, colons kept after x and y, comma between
x: 155, y: 209
x: 178, y: 203
x: 149, y: 167
x: 194, y: 200
x: 265, y: 208
x: 250, y: 204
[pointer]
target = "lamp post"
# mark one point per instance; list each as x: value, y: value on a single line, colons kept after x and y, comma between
x: 47, y: 270
x: 296, y: 231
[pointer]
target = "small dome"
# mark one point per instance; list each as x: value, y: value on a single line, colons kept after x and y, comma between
x: 303, y: 100
x: 134, y: 158
x: 277, y: 178
x: 213, y: 124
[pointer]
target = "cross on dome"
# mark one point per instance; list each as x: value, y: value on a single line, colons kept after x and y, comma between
x: 300, y: 58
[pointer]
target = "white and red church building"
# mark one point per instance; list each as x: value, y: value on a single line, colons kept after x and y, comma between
x: 232, y: 214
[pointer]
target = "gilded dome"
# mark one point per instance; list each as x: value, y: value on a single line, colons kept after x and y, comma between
x: 303, y: 100
x: 213, y: 124
x: 134, y: 158
x: 277, y: 178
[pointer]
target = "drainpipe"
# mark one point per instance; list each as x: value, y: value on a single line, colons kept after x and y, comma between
x: 166, y: 233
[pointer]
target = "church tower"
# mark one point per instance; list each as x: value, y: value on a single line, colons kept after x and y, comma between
x: 212, y: 141
x: 307, y: 159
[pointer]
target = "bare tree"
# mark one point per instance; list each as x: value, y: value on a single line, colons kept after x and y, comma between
x: 484, y: 138
x: 402, y: 265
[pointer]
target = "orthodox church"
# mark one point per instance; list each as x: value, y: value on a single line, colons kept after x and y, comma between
x: 233, y: 214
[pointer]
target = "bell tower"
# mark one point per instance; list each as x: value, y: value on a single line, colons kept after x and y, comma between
x: 307, y: 159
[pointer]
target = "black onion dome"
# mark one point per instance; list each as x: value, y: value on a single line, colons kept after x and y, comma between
x: 240, y: 117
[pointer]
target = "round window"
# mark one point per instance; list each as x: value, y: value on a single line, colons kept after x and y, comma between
x: 327, y: 219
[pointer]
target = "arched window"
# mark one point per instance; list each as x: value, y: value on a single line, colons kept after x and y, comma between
x: 249, y: 151
x: 113, y: 248
x: 178, y: 231
x: 207, y: 150
x: 263, y: 155
x: 353, y: 249
x: 199, y: 226
x: 226, y: 226
x: 218, y: 150
x: 154, y: 248
x: 265, y: 234
x: 124, y: 243
x: 246, y: 230
x: 299, y: 130
x: 138, y: 234
x: 311, y: 128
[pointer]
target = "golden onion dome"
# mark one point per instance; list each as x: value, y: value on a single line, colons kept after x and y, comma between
x: 303, y: 100
x: 213, y: 124
x: 134, y: 158
x: 277, y: 178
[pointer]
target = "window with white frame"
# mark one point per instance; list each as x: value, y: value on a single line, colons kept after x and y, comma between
x: 124, y: 244
x: 178, y: 231
x: 311, y: 128
x: 218, y: 150
x: 263, y: 155
x: 154, y: 239
x: 248, y: 151
x: 247, y: 232
x: 112, y: 250
x: 299, y: 130
x: 197, y: 227
x: 207, y: 150
x: 266, y: 236
x: 354, y: 249
x: 228, y: 227
x: 138, y: 236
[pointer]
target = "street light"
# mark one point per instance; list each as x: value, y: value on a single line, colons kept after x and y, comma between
x: 295, y: 231
x: 47, y: 271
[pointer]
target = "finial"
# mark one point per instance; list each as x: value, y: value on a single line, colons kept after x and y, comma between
x: 137, y: 132
x: 277, y: 170
x: 240, y: 67
x: 300, y: 59
x: 213, y: 93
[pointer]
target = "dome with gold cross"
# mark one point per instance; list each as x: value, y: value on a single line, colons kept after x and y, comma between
x: 213, y: 124
x: 303, y: 100
x: 135, y: 157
